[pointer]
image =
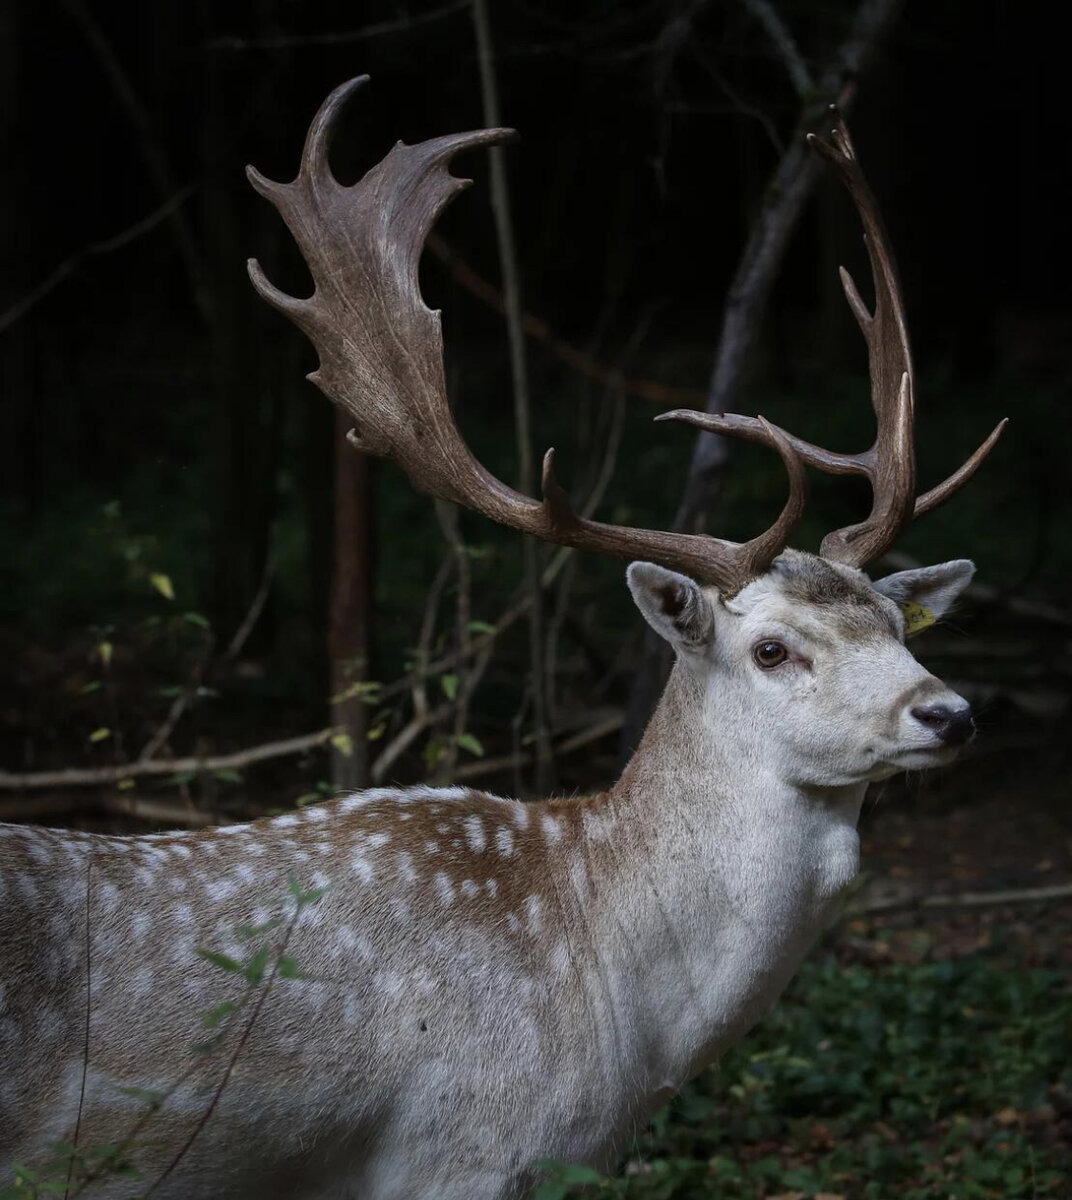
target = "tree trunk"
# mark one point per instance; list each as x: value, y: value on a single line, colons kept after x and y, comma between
x: 351, y: 606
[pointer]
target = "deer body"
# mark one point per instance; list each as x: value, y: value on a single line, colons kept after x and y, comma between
x: 529, y: 991
x: 491, y: 983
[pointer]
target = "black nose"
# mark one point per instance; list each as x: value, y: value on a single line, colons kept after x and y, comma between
x: 953, y: 725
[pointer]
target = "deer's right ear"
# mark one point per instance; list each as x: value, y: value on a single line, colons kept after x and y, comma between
x: 672, y: 604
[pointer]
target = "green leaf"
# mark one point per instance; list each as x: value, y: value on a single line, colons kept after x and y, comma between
x: 162, y: 583
x: 249, y: 932
x: 468, y: 741
x: 224, y: 961
x: 256, y: 967
x: 87, y: 689
x: 221, y: 1012
x: 481, y: 627
x: 195, y: 618
x: 228, y: 776
x: 576, y: 1174
x: 151, y: 1096
x: 101, y: 734
x: 306, y: 897
x: 344, y: 743
x: 105, y: 650
x: 289, y: 969
x: 124, y: 785
x: 449, y: 684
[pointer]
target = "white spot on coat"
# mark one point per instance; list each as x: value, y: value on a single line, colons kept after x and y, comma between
x: 551, y: 828
x: 444, y: 888
x: 362, y: 867
x: 474, y: 833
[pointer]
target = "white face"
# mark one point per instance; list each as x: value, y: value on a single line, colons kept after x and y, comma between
x: 810, y: 665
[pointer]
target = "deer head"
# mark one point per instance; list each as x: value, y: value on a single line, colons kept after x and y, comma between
x: 808, y: 666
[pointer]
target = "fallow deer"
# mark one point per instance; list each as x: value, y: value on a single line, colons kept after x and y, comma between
x: 491, y: 983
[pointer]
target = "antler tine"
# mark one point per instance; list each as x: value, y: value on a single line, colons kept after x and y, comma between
x: 890, y: 462
x: 381, y: 351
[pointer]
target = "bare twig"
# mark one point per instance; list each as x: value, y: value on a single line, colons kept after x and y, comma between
x: 102, y: 776
x: 239, y: 1047
x: 791, y: 183
x: 405, y: 738
x: 929, y: 903
x: 69, y: 265
x: 421, y: 671
x: 150, y: 145
x: 500, y: 203
x: 205, y: 666
x: 253, y: 615
x: 343, y: 37
x: 782, y: 40
x: 447, y: 515
x: 123, y: 805
x: 582, y: 362
x: 489, y: 766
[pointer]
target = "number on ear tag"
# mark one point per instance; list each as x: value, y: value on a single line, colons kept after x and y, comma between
x: 917, y: 617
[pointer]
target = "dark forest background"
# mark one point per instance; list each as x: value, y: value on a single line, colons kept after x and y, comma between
x: 213, y: 608
x: 156, y: 422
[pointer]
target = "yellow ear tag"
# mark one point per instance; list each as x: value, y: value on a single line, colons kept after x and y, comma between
x: 917, y: 617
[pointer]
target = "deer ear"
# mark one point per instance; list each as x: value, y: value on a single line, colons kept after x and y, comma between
x: 672, y: 604
x: 932, y: 589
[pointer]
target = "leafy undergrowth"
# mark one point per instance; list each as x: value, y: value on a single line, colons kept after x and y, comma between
x: 940, y: 1080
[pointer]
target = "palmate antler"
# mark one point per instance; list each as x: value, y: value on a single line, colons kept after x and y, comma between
x: 381, y: 351
x: 381, y: 360
x: 890, y: 464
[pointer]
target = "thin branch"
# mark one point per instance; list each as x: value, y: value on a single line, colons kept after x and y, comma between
x: 500, y: 204
x: 489, y: 766
x: 447, y: 515
x: 102, y: 776
x: 240, y: 1046
x: 85, y: 1033
x: 793, y: 180
x: 69, y: 265
x: 1036, y: 895
x: 766, y: 14
x: 405, y: 738
x: 421, y: 672
x: 206, y: 666
x: 344, y: 37
x: 253, y: 615
x: 149, y: 143
x: 580, y: 361
x: 124, y: 806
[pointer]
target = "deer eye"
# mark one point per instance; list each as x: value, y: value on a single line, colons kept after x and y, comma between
x: 769, y: 654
